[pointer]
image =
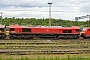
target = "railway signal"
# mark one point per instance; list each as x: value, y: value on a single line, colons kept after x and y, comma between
x: 82, y: 17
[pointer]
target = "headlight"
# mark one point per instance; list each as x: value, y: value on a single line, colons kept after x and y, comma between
x: 82, y: 33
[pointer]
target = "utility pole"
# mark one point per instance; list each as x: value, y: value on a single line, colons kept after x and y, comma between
x: 76, y: 21
x: 49, y: 13
x: 1, y: 17
x: 88, y: 16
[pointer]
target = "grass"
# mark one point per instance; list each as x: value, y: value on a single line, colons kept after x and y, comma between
x: 44, y: 58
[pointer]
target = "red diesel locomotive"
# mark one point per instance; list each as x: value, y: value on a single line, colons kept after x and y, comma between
x: 27, y: 32
x: 85, y: 33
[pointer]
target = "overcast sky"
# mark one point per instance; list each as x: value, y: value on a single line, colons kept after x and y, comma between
x: 64, y: 9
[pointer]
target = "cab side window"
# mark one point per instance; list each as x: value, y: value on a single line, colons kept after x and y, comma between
x: 69, y: 31
x: 77, y: 30
x: 26, y: 30
x: 2, y: 29
x: 11, y: 29
x: 64, y: 31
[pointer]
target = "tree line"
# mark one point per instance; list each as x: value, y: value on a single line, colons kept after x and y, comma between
x: 43, y: 22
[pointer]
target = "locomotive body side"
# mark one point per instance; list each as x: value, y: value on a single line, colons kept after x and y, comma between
x: 46, y: 32
x: 26, y: 32
x: 56, y: 32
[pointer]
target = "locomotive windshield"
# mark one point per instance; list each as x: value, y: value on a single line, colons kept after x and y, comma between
x: 2, y: 29
x: 83, y: 29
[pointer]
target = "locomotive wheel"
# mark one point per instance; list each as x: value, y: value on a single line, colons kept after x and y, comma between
x: 22, y: 37
x: 2, y: 37
x: 31, y: 37
x: 68, y: 37
x: 60, y: 37
x: 11, y: 37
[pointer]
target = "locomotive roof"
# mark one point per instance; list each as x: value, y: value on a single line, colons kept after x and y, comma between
x: 14, y: 26
x: 18, y: 26
x: 41, y: 26
x: 2, y: 26
x: 51, y: 27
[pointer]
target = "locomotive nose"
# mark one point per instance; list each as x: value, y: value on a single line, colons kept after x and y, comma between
x: 82, y: 34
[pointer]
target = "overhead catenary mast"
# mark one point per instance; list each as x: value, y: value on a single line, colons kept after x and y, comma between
x: 1, y: 17
x: 50, y: 3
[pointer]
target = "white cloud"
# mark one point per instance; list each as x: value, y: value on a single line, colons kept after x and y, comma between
x: 65, y: 9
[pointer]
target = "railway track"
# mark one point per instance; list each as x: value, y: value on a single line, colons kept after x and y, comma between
x: 30, y: 42
x: 28, y: 52
x: 81, y: 38
x: 42, y: 47
x: 26, y: 47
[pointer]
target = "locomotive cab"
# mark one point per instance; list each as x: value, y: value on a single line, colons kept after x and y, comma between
x: 82, y: 32
x: 2, y: 31
x: 85, y: 33
x: 14, y: 31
